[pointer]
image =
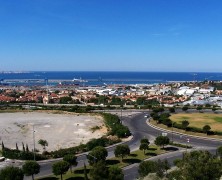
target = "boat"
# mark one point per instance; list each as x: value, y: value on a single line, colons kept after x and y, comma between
x: 79, y: 80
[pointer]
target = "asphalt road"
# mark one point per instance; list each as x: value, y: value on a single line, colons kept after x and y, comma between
x: 140, y: 129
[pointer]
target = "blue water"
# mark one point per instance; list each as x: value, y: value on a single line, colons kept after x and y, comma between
x: 98, y: 78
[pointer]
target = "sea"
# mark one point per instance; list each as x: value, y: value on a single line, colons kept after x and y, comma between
x: 101, y: 78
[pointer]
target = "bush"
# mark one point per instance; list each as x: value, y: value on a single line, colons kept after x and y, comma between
x: 121, y: 131
x: 180, y: 145
x: 113, y: 122
x: 167, y: 122
x: 96, y: 142
x: 195, y: 129
x: 21, y: 155
x: 103, y: 141
x: 218, y: 133
x: 165, y: 115
x: 147, y: 167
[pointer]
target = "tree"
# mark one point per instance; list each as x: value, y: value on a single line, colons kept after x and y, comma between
x: 146, y: 167
x: 65, y: 100
x: 199, y: 165
x: 206, y: 129
x: 3, y: 146
x: 16, y: 146
x: 23, y: 147
x: 144, y: 144
x: 60, y: 168
x: 85, y: 173
x: 185, y: 124
x: 156, y: 110
x: 121, y: 131
x: 11, y: 173
x: 164, y: 115
x: 185, y: 108
x: 177, y: 162
x: 27, y: 148
x: 115, y: 173
x: 97, y: 154
x: 144, y: 140
x: 161, y: 109
x: 162, y: 141
x: 219, y: 151
x: 162, y: 167
x: 116, y: 101
x: 140, y: 100
x: 173, y: 175
x: 207, y: 105
x: 103, y: 100
x: 199, y: 108
x: 30, y: 168
x: 98, y: 171
x: 214, y: 109
x: 71, y: 159
x: 167, y: 122
x: 95, y: 142
x: 122, y: 151
x: 144, y: 147
x: 172, y: 110
x: 43, y: 143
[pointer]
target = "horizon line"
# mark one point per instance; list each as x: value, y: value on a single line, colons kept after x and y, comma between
x: 30, y: 71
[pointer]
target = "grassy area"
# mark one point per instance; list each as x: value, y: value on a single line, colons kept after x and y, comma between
x: 183, y: 131
x: 218, y: 119
x: 134, y: 157
x: 200, y: 119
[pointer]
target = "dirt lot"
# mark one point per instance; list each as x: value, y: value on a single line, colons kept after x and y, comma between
x: 60, y: 130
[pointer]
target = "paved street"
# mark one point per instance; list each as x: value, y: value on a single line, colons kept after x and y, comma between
x: 137, y: 124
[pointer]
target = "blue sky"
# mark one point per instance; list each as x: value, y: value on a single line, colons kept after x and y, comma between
x: 111, y: 35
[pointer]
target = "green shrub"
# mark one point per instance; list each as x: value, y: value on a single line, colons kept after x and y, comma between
x: 21, y: 155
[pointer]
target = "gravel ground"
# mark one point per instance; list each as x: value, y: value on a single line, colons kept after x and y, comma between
x: 60, y: 130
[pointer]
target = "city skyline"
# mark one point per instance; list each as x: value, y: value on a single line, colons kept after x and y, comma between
x: 154, y: 35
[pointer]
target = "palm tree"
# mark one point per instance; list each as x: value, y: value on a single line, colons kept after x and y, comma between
x: 43, y: 143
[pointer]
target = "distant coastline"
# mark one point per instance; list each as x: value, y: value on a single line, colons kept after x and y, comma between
x: 108, y: 77
x: 14, y: 72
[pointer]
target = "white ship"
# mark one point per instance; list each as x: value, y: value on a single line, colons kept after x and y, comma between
x: 79, y: 80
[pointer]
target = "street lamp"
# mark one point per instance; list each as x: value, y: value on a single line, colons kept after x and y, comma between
x: 188, y: 140
x: 121, y: 115
x: 33, y: 134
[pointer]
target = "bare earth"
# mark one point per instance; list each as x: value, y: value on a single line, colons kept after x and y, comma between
x: 60, y: 130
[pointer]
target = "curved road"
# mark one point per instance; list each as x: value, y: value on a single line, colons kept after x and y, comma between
x: 46, y: 166
x: 140, y: 129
